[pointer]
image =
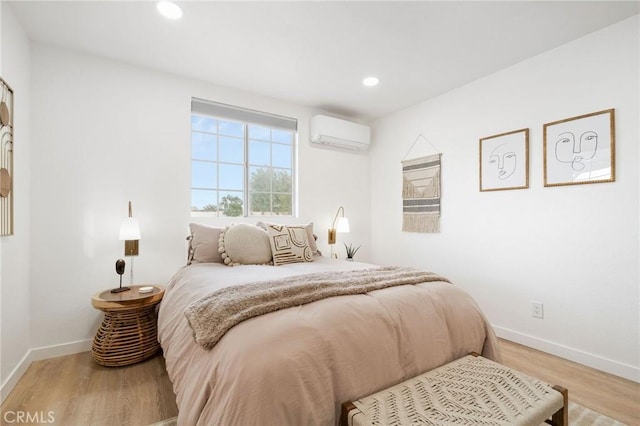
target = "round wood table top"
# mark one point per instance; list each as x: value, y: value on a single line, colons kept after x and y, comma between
x: 130, y: 299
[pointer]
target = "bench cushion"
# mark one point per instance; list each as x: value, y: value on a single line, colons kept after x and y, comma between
x: 471, y: 390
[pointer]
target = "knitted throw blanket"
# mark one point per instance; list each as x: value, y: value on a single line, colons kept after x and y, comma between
x: 213, y: 315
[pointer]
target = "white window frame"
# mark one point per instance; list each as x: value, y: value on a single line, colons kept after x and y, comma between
x: 246, y: 117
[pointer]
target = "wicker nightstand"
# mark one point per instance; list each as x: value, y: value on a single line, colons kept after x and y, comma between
x: 129, y: 331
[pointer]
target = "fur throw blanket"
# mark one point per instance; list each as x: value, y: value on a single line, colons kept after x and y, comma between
x: 213, y: 315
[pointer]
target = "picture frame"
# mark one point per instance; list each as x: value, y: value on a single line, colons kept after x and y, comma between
x: 6, y: 158
x: 504, y: 161
x: 580, y: 150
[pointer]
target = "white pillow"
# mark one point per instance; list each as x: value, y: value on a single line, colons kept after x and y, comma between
x: 244, y: 244
x: 311, y: 238
x: 203, y: 244
x: 289, y: 244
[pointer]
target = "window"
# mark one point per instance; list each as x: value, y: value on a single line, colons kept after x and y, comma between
x: 242, y: 161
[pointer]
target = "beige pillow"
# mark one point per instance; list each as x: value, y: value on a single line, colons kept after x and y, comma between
x: 244, y: 244
x: 289, y: 244
x: 311, y: 238
x: 203, y: 244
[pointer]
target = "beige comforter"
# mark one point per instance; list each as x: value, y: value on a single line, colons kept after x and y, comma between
x: 295, y: 366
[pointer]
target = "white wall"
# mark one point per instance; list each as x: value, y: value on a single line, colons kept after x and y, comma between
x: 14, y: 250
x: 104, y: 133
x: 574, y: 248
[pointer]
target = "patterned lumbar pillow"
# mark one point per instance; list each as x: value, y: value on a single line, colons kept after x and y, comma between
x: 289, y: 244
x: 244, y: 244
x: 311, y: 237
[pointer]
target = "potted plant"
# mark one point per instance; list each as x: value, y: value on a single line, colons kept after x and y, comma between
x: 351, y: 250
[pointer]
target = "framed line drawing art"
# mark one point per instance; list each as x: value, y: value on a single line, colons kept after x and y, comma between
x: 504, y: 161
x: 580, y: 149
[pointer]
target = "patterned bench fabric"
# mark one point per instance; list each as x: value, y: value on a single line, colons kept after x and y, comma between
x: 469, y: 391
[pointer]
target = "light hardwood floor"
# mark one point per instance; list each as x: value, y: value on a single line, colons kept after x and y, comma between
x: 607, y: 394
x: 80, y: 392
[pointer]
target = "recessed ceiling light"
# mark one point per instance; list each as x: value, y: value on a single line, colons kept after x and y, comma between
x: 169, y: 10
x: 371, y: 81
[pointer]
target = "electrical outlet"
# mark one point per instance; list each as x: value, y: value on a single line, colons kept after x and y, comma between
x: 537, y: 310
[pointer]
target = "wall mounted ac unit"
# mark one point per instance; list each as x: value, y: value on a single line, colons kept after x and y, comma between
x: 339, y: 133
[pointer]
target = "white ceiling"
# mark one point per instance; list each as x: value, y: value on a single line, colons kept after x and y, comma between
x: 316, y: 53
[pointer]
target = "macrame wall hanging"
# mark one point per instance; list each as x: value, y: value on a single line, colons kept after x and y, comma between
x: 421, y: 191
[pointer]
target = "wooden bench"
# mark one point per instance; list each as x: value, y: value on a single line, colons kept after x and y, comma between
x: 471, y: 390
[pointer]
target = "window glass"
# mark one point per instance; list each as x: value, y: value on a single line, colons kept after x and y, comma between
x: 204, y: 175
x: 203, y: 124
x: 231, y: 150
x: 231, y: 204
x: 259, y: 153
x: 260, y: 203
x: 204, y: 146
x: 230, y: 128
x: 282, y: 204
x: 231, y: 177
x: 260, y: 179
x: 281, y: 181
x: 282, y: 136
x: 204, y: 200
x: 240, y: 168
x: 258, y: 132
x: 281, y: 155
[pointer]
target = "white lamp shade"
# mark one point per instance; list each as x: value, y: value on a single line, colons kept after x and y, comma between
x: 342, y: 225
x: 129, y: 229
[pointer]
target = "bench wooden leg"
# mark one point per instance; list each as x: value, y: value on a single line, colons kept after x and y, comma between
x: 561, y: 417
x: 344, y: 415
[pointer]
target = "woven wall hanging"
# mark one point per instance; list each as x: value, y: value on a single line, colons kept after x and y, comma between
x: 421, y: 192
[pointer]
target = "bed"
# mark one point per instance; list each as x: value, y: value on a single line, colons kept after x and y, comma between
x: 295, y: 366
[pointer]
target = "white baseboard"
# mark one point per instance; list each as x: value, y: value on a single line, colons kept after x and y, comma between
x: 37, y: 354
x: 14, y: 377
x: 610, y: 366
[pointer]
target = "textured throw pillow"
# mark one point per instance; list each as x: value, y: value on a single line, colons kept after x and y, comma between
x: 311, y: 237
x: 203, y: 244
x: 289, y: 244
x: 244, y: 244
